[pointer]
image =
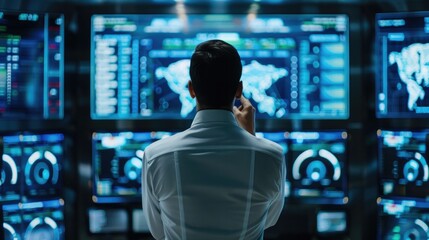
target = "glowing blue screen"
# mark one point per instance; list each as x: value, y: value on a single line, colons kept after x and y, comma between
x: 403, y: 165
x: 316, y: 164
x: 31, y: 66
x: 402, y: 71
x: 32, y: 166
x: 294, y: 66
x: 117, y: 164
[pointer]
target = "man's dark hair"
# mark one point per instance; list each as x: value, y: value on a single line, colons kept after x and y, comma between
x: 215, y: 73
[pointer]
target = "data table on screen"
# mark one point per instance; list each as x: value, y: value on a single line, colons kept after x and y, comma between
x: 31, y: 66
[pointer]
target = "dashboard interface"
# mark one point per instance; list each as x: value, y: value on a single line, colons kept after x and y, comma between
x: 316, y: 164
x: 117, y: 164
x: 32, y: 166
x: 403, y: 220
x: 31, y: 66
x: 402, y: 73
x: 294, y: 66
x: 36, y: 220
x: 403, y: 166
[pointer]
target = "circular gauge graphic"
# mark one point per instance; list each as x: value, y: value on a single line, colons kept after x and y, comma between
x: 41, y: 168
x: 133, y: 167
x: 9, y: 232
x: 9, y: 171
x: 409, y: 229
x: 316, y: 171
x: 316, y: 166
x: 42, y: 228
x: 414, y: 166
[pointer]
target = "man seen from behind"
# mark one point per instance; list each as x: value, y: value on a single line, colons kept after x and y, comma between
x: 215, y: 180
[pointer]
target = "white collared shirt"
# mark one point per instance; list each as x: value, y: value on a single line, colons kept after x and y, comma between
x: 212, y: 181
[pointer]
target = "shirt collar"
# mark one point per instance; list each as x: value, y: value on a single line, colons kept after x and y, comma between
x: 214, y: 115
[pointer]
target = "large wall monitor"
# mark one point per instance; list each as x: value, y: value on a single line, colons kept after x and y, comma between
x: 294, y: 66
x: 117, y: 164
x: 403, y: 165
x: 31, y: 66
x: 402, y: 73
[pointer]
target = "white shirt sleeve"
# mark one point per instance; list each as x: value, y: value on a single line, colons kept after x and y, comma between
x: 151, y: 207
x: 276, y: 207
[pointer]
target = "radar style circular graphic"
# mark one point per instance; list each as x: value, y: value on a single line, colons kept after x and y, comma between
x: 412, y: 230
x: 9, y: 232
x: 316, y: 170
x: 42, y: 228
x: 9, y: 171
x: 133, y: 167
x: 412, y: 168
x: 41, y: 168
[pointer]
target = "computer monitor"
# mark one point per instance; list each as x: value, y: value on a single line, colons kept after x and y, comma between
x: 317, y: 166
x: 403, y: 166
x: 32, y: 165
x: 402, y: 71
x: 35, y: 220
x: 403, y: 220
x: 117, y: 164
x: 331, y: 222
x: 107, y: 221
x: 139, y: 223
x: 294, y: 66
x: 31, y: 66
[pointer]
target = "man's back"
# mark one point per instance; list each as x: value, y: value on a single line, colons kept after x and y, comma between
x: 213, y: 181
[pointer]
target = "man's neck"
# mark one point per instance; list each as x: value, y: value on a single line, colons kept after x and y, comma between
x: 202, y: 107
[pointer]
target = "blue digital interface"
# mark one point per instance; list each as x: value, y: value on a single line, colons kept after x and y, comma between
x: 294, y: 66
x: 31, y: 167
x: 402, y: 73
x: 104, y: 221
x: 331, y: 222
x: 403, y: 220
x: 117, y: 164
x: 316, y: 165
x: 31, y: 66
x: 403, y: 166
x: 35, y: 220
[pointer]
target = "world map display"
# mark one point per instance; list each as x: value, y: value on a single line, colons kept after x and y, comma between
x: 413, y: 69
x: 257, y: 79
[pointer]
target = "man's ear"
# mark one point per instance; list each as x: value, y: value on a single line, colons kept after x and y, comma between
x: 239, y: 90
x: 191, y: 89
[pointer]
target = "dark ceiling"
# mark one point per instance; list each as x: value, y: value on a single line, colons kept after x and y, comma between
x: 213, y: 5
